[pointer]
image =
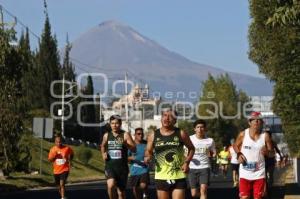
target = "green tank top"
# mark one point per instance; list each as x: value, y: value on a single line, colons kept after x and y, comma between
x: 169, y: 156
x: 117, y: 152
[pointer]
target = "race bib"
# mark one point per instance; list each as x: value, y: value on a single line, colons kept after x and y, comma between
x: 250, y: 166
x: 115, y: 154
x: 60, y: 161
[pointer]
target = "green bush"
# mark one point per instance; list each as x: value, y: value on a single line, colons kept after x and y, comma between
x: 84, y: 154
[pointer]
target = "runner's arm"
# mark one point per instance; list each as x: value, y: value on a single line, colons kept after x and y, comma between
x: 149, y: 147
x: 269, y: 145
x: 129, y: 142
x: 237, y: 147
x: 213, y: 150
x: 189, y: 145
x: 51, y: 155
x: 103, y: 147
x: 238, y: 142
x: 277, y: 150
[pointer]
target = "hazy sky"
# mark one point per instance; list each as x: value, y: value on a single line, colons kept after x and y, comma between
x: 211, y: 32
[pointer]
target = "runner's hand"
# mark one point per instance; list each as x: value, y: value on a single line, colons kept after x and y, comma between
x: 185, y: 167
x: 104, y: 156
x: 242, y: 158
x: 147, y: 159
x: 264, y: 151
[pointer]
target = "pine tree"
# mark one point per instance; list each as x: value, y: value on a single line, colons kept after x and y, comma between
x: 28, y: 67
x: 48, y: 64
x: 68, y: 68
x: 88, y: 111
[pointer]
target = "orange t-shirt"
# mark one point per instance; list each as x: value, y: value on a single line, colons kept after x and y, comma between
x: 61, y: 162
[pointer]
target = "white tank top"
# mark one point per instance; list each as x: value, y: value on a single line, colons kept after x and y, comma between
x: 233, y: 155
x: 255, y: 167
x: 203, y: 149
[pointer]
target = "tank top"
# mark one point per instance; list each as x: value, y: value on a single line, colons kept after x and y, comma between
x: 233, y: 155
x: 255, y: 167
x: 117, y: 152
x: 169, y: 156
x: 203, y: 148
x: 224, y: 157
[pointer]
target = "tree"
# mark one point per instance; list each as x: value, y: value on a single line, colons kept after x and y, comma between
x: 88, y: 111
x: 11, y: 103
x: 48, y: 64
x: 29, y: 73
x: 287, y: 12
x: 275, y: 49
x: 219, y: 96
x: 186, y: 126
x: 68, y: 68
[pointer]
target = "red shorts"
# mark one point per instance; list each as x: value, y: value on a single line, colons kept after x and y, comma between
x: 258, y: 187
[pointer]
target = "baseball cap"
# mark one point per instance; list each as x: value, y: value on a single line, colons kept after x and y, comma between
x: 255, y: 115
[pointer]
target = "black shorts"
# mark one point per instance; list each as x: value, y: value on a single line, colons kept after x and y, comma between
x: 63, y: 176
x: 170, y: 185
x: 137, y: 179
x: 235, y: 167
x: 198, y: 177
x: 120, y: 177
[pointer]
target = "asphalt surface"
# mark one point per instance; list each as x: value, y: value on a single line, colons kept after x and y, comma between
x: 220, y: 187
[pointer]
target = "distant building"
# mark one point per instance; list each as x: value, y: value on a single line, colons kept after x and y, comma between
x: 142, y: 110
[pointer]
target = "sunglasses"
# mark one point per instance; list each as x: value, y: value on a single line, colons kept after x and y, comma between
x: 255, y: 120
x: 139, y: 134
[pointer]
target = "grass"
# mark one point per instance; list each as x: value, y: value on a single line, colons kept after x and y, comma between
x: 94, y: 170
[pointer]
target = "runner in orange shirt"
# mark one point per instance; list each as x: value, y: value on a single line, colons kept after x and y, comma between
x: 60, y: 155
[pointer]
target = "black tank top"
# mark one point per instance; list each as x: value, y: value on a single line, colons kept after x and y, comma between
x: 117, y: 151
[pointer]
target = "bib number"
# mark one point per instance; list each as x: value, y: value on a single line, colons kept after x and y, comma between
x: 115, y: 154
x: 250, y: 166
x: 60, y: 161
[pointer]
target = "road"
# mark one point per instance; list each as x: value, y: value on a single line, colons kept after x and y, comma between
x: 219, y: 188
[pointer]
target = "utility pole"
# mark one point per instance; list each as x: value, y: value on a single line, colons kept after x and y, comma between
x: 63, y: 107
x: 100, y: 110
x: 126, y: 103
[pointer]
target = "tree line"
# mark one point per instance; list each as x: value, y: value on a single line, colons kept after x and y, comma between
x: 25, y: 79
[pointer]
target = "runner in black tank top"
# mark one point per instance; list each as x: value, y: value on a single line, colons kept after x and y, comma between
x: 114, y: 147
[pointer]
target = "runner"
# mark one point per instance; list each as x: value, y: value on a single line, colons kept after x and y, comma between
x: 114, y: 149
x: 224, y: 160
x: 200, y: 164
x: 61, y: 157
x: 234, y: 164
x: 170, y: 165
x: 251, y: 146
x: 139, y: 171
x: 271, y: 161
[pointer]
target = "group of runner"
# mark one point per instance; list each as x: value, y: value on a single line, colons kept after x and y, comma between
x: 178, y: 158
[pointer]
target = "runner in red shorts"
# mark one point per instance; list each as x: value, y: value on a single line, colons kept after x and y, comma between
x: 251, y: 146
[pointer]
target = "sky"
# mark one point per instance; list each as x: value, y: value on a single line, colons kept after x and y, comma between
x: 213, y: 32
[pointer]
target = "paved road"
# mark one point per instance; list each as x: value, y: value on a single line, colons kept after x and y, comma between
x: 219, y: 188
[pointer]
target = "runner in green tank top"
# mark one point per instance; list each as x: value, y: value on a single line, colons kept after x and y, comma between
x: 114, y: 149
x: 170, y: 164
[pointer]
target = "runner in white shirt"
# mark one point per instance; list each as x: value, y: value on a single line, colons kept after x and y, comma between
x: 251, y: 146
x: 200, y: 163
